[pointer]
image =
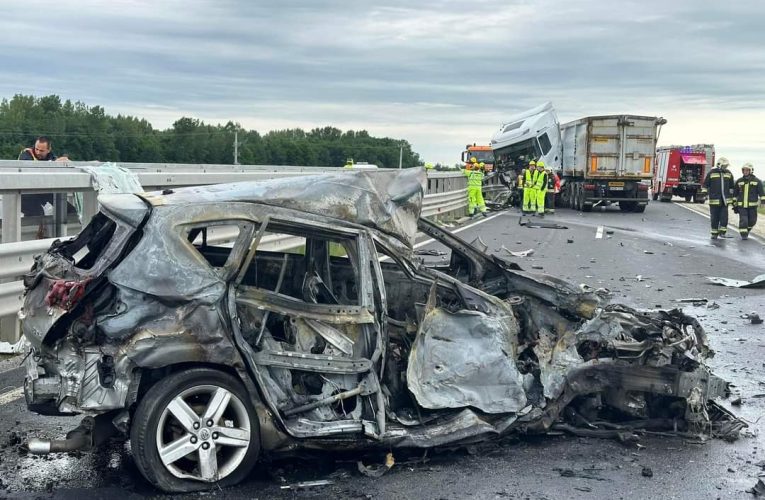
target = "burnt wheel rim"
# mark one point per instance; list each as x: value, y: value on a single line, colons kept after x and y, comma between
x: 203, y: 434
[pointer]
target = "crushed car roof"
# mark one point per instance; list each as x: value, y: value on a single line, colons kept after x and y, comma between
x: 388, y: 200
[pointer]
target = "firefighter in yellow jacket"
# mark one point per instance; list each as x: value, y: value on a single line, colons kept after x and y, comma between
x: 474, y: 174
x: 540, y: 188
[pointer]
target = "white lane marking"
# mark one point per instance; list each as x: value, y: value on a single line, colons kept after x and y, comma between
x: 731, y: 227
x: 13, y: 395
x: 599, y: 233
x: 485, y: 219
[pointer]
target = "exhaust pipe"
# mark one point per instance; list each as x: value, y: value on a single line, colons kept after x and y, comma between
x: 45, y: 446
x: 79, y: 438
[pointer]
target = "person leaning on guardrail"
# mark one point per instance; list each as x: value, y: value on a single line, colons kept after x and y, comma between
x: 41, y: 151
x: 33, y: 204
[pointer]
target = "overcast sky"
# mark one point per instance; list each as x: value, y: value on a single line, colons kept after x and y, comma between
x: 439, y: 74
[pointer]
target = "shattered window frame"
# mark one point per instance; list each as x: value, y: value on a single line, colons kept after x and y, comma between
x: 238, y: 248
x: 308, y: 230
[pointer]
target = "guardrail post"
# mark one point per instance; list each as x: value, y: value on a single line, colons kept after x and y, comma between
x: 11, y: 217
x: 9, y: 329
x: 89, y: 206
x: 59, y: 214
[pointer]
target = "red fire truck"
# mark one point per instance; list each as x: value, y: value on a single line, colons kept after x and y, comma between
x: 680, y: 171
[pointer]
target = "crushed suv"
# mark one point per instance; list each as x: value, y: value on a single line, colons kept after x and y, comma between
x: 213, y: 325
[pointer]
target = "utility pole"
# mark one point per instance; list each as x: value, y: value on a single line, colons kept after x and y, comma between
x: 236, y: 147
x: 400, y: 155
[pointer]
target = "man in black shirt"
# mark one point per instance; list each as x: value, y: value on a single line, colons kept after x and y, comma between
x: 32, y: 204
x: 40, y: 152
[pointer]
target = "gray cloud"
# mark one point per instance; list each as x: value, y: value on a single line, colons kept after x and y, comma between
x: 439, y: 74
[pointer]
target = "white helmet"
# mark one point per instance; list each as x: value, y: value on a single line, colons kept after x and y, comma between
x: 723, y: 162
x: 749, y: 166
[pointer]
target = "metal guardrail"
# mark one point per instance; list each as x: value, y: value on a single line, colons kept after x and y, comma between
x: 445, y: 195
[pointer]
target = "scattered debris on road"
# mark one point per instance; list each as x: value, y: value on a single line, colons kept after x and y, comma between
x: 753, y: 318
x: 307, y: 484
x: 646, y: 472
x: 544, y: 225
x: 583, y: 474
x: 693, y: 300
x: 523, y: 253
x: 757, y: 282
x: 378, y: 470
x: 758, y: 489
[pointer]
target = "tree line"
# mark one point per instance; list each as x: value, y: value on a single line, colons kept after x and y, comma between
x: 86, y: 133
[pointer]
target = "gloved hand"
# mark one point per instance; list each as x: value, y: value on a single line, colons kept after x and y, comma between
x: 735, y: 209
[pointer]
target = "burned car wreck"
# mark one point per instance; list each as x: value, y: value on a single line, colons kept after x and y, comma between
x: 214, y: 325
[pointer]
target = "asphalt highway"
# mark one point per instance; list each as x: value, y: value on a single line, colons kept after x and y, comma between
x: 646, y: 260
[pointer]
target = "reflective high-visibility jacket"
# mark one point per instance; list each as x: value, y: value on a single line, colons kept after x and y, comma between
x: 475, y: 178
x: 541, y: 181
x: 719, y: 186
x: 529, y: 178
x: 748, y: 192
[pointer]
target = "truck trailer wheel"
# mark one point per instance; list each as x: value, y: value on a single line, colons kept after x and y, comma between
x: 640, y: 208
x: 627, y: 206
x: 195, y: 430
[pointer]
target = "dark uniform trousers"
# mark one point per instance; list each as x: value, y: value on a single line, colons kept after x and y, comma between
x: 719, y: 216
x: 747, y: 218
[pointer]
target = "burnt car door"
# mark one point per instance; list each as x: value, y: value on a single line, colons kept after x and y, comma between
x: 303, y: 311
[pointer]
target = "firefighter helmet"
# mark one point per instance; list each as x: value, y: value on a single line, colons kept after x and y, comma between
x: 540, y: 163
x: 723, y: 162
x: 473, y: 160
x: 481, y: 164
x: 747, y: 166
x: 532, y: 163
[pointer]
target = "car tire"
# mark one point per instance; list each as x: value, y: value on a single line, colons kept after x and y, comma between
x: 172, y: 413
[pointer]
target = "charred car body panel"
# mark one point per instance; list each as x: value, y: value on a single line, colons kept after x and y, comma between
x: 342, y: 339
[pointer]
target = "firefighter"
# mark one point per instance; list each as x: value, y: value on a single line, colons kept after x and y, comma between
x: 553, y: 188
x: 748, y: 194
x: 719, y: 186
x: 528, y: 178
x: 540, y: 188
x: 348, y: 163
x: 474, y: 173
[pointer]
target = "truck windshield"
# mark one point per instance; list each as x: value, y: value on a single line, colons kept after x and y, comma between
x: 527, y: 149
x: 482, y: 156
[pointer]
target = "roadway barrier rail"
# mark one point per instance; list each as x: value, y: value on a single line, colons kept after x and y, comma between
x: 445, y: 196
